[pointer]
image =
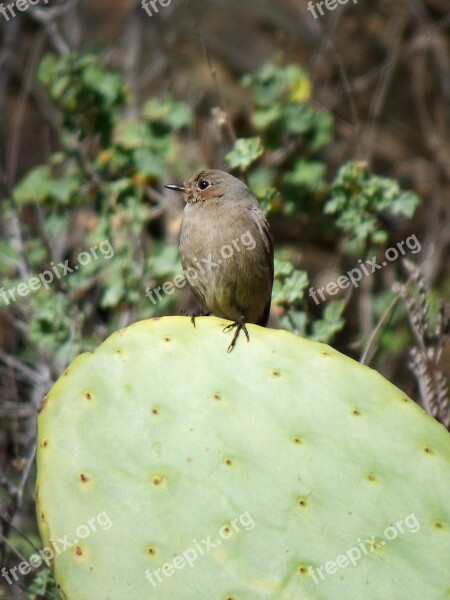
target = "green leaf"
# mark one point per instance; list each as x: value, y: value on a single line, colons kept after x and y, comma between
x: 149, y: 162
x: 9, y: 258
x: 273, y: 83
x: 359, y: 199
x: 108, y: 85
x: 64, y: 189
x: 112, y: 294
x: 263, y: 118
x: 295, y: 321
x: 307, y: 173
x: 297, y: 118
x: 289, y: 284
x: 34, y: 187
x: 167, y: 111
x: 244, y: 153
x: 261, y: 180
x: 405, y: 204
x: 132, y: 134
x: 164, y: 262
x: 47, y: 69
x: 323, y: 330
x: 43, y: 586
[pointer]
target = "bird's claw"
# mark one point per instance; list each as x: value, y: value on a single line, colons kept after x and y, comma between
x: 193, y: 315
x: 240, y: 326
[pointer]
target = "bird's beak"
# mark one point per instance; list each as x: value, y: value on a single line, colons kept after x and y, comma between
x: 177, y: 188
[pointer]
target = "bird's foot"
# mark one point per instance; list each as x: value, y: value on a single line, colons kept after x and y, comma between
x: 201, y: 313
x: 240, y: 326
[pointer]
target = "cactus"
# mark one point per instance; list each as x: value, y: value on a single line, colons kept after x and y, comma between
x: 281, y: 471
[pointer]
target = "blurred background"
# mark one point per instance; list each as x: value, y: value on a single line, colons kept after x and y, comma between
x: 340, y: 124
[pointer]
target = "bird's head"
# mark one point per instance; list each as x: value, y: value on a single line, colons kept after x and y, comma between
x: 210, y: 185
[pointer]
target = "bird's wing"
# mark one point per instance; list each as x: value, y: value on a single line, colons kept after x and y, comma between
x: 259, y: 219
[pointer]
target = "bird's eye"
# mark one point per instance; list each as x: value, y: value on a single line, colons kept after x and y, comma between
x: 203, y: 184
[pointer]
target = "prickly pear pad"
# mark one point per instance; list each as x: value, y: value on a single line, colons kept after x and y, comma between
x: 272, y: 464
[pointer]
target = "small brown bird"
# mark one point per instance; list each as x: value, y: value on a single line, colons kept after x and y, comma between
x: 226, y: 250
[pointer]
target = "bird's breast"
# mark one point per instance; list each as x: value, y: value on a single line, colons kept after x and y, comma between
x: 225, y: 260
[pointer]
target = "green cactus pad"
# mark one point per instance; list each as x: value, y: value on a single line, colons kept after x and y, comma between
x: 283, y: 470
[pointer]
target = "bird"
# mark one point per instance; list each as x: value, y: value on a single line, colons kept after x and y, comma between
x: 226, y: 249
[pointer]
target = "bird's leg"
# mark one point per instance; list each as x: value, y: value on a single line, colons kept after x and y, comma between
x: 240, y: 326
x: 201, y: 313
